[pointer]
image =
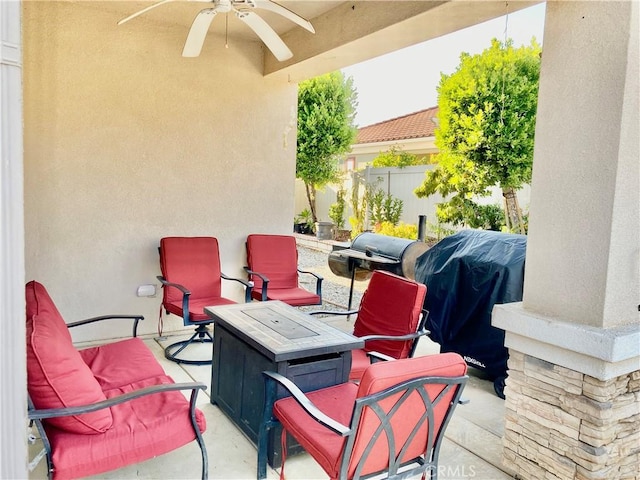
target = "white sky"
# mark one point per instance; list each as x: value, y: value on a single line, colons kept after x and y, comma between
x: 405, y: 81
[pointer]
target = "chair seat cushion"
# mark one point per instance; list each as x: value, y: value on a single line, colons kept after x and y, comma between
x: 323, y: 444
x: 196, y: 307
x: 57, y: 376
x: 142, y: 429
x: 120, y: 363
x: 293, y: 296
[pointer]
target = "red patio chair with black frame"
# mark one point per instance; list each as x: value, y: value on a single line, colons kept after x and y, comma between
x: 390, y: 425
x: 192, y: 279
x: 391, y: 319
x: 104, y: 407
x: 272, y: 265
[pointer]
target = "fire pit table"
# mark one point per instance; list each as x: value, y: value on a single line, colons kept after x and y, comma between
x: 250, y: 338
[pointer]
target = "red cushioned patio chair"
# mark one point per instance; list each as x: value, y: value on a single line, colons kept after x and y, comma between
x: 391, y: 319
x: 105, y: 407
x: 272, y: 265
x: 394, y: 419
x: 192, y: 280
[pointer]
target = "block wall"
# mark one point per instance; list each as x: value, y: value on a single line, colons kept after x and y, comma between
x: 562, y: 424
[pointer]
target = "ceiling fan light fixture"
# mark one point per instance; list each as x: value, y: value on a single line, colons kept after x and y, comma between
x: 223, y: 6
x: 245, y: 11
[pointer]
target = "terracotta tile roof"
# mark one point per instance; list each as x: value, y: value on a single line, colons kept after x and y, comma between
x: 413, y: 125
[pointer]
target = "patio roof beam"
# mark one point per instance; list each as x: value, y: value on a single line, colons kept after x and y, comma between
x: 357, y: 31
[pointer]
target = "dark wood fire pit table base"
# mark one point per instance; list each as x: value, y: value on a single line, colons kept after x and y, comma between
x: 250, y: 338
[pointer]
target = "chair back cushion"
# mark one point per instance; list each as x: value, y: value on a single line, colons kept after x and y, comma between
x: 57, y: 377
x: 382, y: 375
x: 276, y: 257
x: 193, y: 262
x: 391, y: 305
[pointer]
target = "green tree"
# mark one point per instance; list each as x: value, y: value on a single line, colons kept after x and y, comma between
x: 326, y: 111
x: 487, y: 113
x: 396, y: 157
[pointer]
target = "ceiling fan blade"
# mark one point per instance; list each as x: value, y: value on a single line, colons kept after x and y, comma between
x: 285, y: 12
x: 144, y: 10
x: 198, y: 32
x: 266, y: 34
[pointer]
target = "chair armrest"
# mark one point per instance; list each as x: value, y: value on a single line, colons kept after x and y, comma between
x: 319, y: 279
x: 379, y: 357
x: 408, y: 336
x: 135, y: 318
x: 186, y: 293
x: 262, y: 276
x: 166, y: 283
x: 35, y: 414
x: 248, y: 285
x: 306, y: 404
x: 265, y: 282
x: 333, y: 312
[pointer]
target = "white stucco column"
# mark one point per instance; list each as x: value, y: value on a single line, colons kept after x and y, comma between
x: 576, y: 334
x: 13, y: 404
x: 582, y: 275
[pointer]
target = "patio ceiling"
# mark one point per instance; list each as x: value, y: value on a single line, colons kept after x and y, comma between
x: 346, y: 32
x: 182, y: 12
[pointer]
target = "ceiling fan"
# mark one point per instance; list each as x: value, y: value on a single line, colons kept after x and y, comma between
x: 244, y: 10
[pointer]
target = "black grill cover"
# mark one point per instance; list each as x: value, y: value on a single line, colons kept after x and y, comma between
x: 466, y: 274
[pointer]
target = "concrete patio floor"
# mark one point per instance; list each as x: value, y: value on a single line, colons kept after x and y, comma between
x: 472, y: 447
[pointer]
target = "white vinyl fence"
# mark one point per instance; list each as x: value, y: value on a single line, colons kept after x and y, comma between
x: 400, y: 183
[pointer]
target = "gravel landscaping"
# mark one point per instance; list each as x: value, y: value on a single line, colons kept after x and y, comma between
x: 335, y: 289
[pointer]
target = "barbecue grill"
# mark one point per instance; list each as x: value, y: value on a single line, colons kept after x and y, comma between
x: 371, y: 251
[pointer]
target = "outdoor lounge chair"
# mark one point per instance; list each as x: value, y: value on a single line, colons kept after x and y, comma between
x: 106, y: 407
x: 390, y: 319
x: 192, y: 280
x: 272, y: 265
x: 394, y: 419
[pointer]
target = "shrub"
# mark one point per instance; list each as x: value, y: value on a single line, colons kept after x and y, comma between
x: 402, y: 230
x: 384, y: 207
x: 305, y: 218
x: 336, y: 210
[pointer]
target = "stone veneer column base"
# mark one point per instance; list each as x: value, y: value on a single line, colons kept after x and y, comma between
x: 563, y: 424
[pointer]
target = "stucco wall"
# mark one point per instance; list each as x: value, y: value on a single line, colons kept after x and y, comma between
x: 583, y: 239
x: 125, y: 142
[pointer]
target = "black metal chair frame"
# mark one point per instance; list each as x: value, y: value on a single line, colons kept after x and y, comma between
x: 427, y: 463
x: 36, y: 416
x: 265, y: 282
x: 420, y: 332
x: 202, y: 333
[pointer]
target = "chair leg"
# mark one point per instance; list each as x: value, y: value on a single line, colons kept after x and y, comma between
x: 201, y: 335
x: 267, y: 423
x: 263, y: 436
x: 199, y: 439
